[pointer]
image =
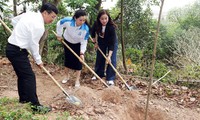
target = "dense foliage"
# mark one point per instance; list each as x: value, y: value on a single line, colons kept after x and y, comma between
x: 177, y: 48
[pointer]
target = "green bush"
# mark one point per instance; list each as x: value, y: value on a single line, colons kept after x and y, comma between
x: 134, y: 54
x: 55, y: 52
x: 3, y: 40
x: 189, y: 72
x: 160, y: 69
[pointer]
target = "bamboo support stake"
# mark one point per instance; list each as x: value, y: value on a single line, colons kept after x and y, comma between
x: 161, y: 77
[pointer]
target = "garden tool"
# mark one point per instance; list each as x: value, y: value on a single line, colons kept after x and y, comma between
x: 82, y: 61
x: 129, y: 88
x: 7, y: 28
x: 70, y: 98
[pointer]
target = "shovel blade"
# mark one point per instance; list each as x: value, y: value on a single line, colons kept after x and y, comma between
x: 74, y: 100
x: 132, y: 88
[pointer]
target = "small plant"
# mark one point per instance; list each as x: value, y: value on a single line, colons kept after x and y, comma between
x: 11, y: 109
x: 168, y: 91
x: 63, y: 116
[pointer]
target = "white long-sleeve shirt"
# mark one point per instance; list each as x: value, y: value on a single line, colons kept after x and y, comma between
x: 73, y: 34
x: 28, y: 29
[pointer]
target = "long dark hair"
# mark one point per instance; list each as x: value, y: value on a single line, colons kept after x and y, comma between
x: 80, y: 13
x: 98, y: 23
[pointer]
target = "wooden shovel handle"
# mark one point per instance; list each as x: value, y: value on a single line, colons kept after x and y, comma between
x: 113, y: 67
x: 7, y: 28
x: 82, y: 61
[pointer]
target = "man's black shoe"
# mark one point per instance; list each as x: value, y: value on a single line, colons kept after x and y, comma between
x: 40, y: 109
x: 23, y: 102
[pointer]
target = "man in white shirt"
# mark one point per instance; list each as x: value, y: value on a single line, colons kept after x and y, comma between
x: 28, y: 29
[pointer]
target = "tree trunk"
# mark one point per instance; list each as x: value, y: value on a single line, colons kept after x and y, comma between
x: 122, y: 37
x: 98, y: 5
x: 153, y: 61
x: 24, y: 7
x: 56, y: 2
x: 44, y: 1
x: 97, y: 8
x: 43, y: 43
x: 15, y: 7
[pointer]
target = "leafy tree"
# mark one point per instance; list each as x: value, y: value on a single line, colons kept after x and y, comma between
x: 89, y: 5
x: 4, y: 10
x: 138, y: 24
x: 182, y: 28
x: 139, y: 28
x: 3, y: 5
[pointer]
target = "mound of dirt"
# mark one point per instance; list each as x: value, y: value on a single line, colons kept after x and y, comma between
x: 108, y: 104
x: 98, y: 101
x: 113, y: 95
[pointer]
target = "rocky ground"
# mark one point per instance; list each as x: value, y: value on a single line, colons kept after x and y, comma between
x: 102, y: 103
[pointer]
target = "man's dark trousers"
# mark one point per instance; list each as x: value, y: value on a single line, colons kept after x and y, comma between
x: 26, y: 78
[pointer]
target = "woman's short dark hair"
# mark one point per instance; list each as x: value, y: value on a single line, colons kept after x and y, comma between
x: 79, y: 13
x: 49, y: 8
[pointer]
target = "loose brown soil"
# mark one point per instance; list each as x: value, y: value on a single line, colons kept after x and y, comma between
x: 99, y: 102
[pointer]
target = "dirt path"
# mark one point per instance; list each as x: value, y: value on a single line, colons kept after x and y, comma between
x: 99, y: 102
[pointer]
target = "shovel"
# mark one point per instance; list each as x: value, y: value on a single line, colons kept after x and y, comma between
x: 82, y: 61
x: 71, y: 99
x: 6, y: 27
x: 129, y: 88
